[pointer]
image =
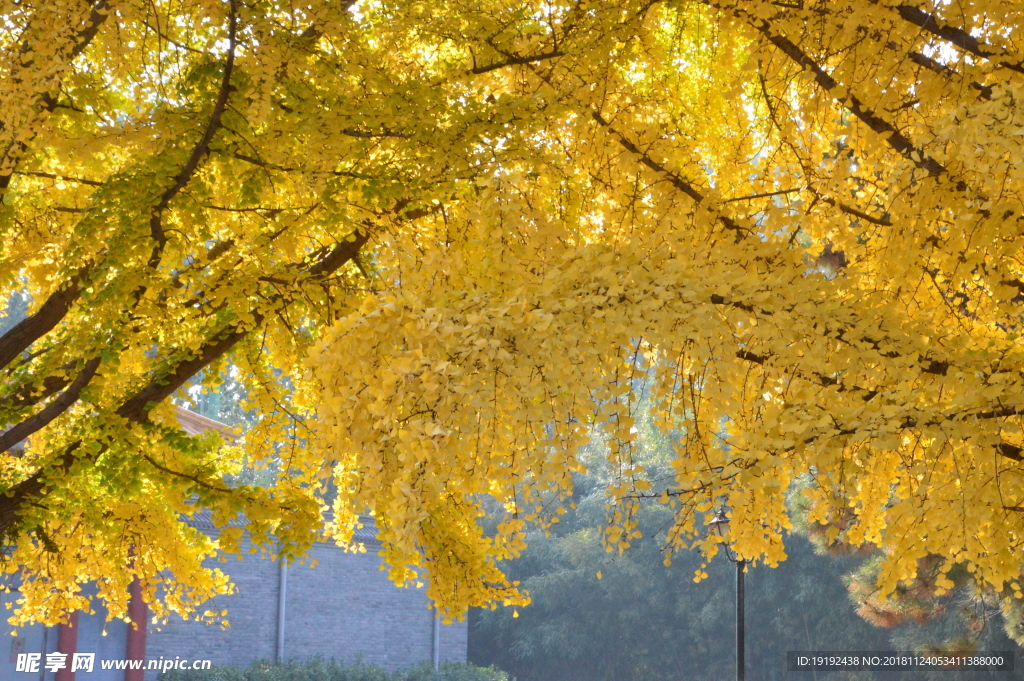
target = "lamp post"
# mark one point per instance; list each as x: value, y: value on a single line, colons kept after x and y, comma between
x: 721, y: 524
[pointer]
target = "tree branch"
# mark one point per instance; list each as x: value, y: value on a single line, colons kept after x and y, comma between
x: 28, y: 394
x: 46, y: 100
x: 50, y: 313
x: 51, y: 411
x: 516, y: 61
x: 893, y: 137
x: 178, y: 474
x: 53, y: 176
x: 137, y: 407
x: 200, y: 149
x: 674, y: 179
x: 958, y: 36
x: 984, y: 91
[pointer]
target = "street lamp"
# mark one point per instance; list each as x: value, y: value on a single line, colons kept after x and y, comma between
x: 721, y: 524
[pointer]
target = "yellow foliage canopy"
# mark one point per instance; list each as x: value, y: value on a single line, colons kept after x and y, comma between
x: 445, y: 244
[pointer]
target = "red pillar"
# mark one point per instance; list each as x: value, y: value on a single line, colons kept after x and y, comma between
x: 67, y: 643
x: 135, y: 646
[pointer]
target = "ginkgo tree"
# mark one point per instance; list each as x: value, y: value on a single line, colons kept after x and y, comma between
x: 446, y: 244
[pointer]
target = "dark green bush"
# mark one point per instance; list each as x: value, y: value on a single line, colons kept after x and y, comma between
x: 321, y: 670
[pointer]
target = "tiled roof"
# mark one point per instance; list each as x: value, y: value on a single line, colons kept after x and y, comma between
x: 190, y: 422
x: 202, y: 520
x: 197, y: 424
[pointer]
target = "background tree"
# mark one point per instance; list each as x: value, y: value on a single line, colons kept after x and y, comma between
x: 462, y: 232
x: 596, y: 616
x: 921, y: 616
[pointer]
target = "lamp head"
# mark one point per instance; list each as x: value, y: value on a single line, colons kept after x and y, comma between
x: 720, y: 522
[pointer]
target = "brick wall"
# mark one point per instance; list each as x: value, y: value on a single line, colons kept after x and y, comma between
x: 344, y: 608
x: 252, y: 614
x: 455, y: 641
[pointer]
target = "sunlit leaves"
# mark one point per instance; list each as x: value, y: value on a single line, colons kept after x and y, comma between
x: 444, y: 245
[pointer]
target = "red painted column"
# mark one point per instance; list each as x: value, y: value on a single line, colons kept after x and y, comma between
x: 67, y: 643
x: 135, y: 646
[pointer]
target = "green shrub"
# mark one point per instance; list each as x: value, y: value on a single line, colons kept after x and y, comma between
x: 318, y: 669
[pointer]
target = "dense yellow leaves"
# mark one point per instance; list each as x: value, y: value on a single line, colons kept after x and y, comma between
x: 889, y: 385
x: 446, y: 245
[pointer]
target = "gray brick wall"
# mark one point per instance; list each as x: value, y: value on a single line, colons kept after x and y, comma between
x: 455, y: 641
x: 252, y: 614
x: 344, y: 608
